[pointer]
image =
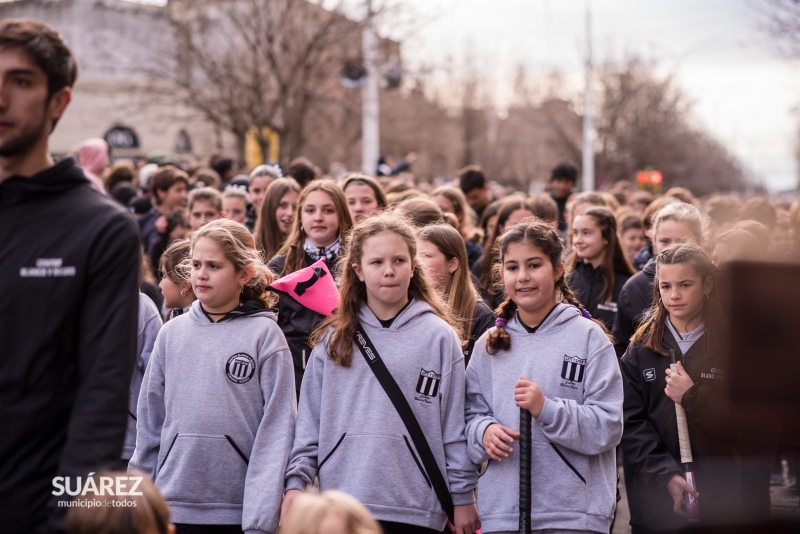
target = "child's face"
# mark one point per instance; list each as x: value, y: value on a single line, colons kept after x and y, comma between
x: 174, y: 197
x: 683, y: 292
x: 435, y: 263
x: 587, y: 238
x: 286, y: 211
x: 670, y: 232
x: 258, y: 186
x: 361, y: 200
x: 529, y: 278
x: 444, y: 204
x: 235, y: 209
x: 386, y: 269
x: 632, y: 241
x: 215, y: 280
x: 319, y: 219
x: 203, y: 211
x: 171, y: 292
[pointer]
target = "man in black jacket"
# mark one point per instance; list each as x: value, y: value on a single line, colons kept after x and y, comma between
x: 68, y: 294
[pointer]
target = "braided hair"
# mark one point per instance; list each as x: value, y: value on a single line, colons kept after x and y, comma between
x: 545, y: 239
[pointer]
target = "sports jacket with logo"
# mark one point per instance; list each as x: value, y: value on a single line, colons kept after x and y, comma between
x: 350, y: 435
x: 650, y: 450
x: 587, y: 284
x: 69, y: 266
x: 573, y: 464
x: 216, y: 418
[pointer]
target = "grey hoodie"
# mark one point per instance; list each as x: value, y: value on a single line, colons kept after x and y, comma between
x: 216, y: 418
x: 573, y: 461
x: 349, y: 434
x: 149, y: 324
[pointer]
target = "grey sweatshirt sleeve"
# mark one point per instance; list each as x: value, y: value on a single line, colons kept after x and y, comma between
x: 596, y: 425
x: 462, y: 474
x: 273, y: 442
x: 303, y: 460
x: 150, y: 414
x: 150, y: 323
x: 479, y: 414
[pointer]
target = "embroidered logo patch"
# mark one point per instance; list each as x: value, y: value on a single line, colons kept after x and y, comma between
x: 649, y: 374
x: 240, y: 368
x: 572, y: 368
x: 428, y: 383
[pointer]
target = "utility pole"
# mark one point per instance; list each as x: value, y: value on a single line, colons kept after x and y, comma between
x: 588, y: 131
x: 370, y: 125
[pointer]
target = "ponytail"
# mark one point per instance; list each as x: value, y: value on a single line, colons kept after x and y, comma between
x: 499, y: 339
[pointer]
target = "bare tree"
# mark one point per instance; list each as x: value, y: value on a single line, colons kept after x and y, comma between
x: 646, y: 121
x: 258, y: 65
x: 780, y: 19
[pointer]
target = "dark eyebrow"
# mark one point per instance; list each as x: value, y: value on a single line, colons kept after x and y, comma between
x: 21, y: 71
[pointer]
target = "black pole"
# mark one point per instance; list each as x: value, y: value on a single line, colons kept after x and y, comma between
x: 524, y: 471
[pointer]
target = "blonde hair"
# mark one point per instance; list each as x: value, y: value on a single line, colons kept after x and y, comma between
x: 239, y: 247
x: 681, y: 212
x: 310, y: 509
x: 353, y: 291
x: 150, y: 515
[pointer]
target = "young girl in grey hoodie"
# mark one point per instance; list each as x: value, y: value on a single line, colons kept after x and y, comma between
x: 217, y: 407
x: 348, y: 432
x: 551, y: 359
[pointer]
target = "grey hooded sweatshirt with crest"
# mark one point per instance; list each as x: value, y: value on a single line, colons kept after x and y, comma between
x: 573, y: 464
x: 216, y: 418
x: 350, y: 435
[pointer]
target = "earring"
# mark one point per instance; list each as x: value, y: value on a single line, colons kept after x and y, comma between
x: 183, y: 292
x: 241, y: 289
x: 706, y: 297
x: 301, y: 228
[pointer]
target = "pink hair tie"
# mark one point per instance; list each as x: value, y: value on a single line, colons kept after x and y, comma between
x: 500, y: 322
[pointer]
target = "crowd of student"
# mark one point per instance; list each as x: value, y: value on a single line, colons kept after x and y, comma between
x: 479, y: 302
x: 461, y: 312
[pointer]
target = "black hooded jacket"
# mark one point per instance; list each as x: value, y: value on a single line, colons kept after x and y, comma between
x: 650, y: 450
x: 632, y: 306
x: 69, y: 268
x: 587, y: 284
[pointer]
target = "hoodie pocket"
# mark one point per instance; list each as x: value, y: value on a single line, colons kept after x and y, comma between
x: 203, y: 469
x: 377, y: 469
x: 558, y: 479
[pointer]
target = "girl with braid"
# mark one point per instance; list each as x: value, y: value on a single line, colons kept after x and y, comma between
x: 546, y: 355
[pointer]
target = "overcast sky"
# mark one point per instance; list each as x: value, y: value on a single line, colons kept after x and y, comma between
x: 745, y: 94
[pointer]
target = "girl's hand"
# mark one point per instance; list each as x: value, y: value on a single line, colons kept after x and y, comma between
x: 529, y: 396
x: 676, y: 487
x: 288, y: 499
x: 466, y: 517
x: 495, y: 439
x: 677, y: 384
